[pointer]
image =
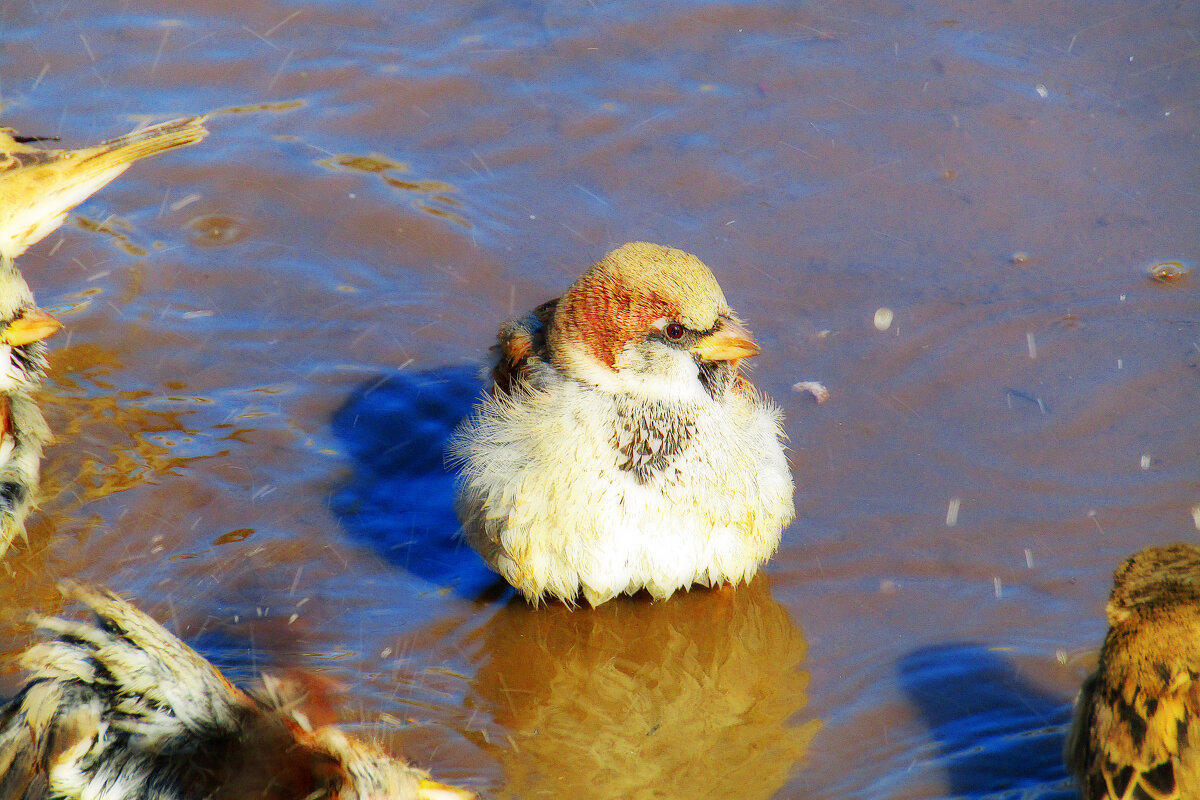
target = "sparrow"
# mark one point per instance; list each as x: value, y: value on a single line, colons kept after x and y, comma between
x: 23, y: 429
x: 38, y: 187
x: 619, y: 449
x: 120, y: 709
x: 1136, y: 732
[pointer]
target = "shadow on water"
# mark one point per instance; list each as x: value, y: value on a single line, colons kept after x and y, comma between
x: 998, y: 735
x: 400, y: 500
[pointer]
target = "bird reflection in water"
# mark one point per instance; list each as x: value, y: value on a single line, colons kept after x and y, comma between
x: 695, y: 697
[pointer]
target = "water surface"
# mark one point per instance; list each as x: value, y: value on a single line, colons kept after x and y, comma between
x: 270, y: 334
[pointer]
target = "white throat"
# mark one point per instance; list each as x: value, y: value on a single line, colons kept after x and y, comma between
x: 671, y: 377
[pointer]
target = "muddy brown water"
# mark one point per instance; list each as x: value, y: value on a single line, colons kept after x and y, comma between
x: 269, y: 335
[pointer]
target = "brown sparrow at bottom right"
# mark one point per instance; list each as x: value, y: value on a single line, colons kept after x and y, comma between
x: 1136, y: 734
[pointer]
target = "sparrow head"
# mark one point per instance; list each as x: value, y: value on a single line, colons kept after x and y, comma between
x: 1155, y: 579
x: 23, y: 326
x: 649, y: 321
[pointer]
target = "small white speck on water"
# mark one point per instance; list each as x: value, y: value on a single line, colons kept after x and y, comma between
x: 293, y: 618
x: 351, y: 195
x: 1196, y: 517
x: 1092, y: 516
x: 1145, y: 462
x: 952, y: 512
x: 883, y: 318
x: 1120, y: 364
x: 184, y: 202
x: 385, y: 652
x: 42, y: 74
x: 1031, y: 344
x: 1060, y: 656
x: 815, y: 388
x: 1028, y: 558
x: 1122, y: 298
x: 888, y: 586
x: 92, y: 55
x: 296, y: 581
x: 1042, y: 91
x: 997, y: 585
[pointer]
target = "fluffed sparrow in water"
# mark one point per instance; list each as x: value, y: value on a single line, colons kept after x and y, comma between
x: 1133, y: 736
x: 619, y: 449
x: 38, y: 187
x: 120, y: 709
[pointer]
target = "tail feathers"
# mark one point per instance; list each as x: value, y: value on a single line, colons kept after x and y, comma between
x: 39, y: 187
x: 119, y: 678
x: 152, y: 140
x: 43, y: 735
x: 119, y: 709
x: 157, y: 685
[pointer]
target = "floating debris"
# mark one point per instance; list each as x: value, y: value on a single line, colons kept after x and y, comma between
x: 1168, y: 271
x: 815, y: 388
x: 215, y: 230
x: 1145, y: 462
x: 952, y: 512
x: 997, y: 585
x: 883, y: 318
x: 1019, y: 257
x: 184, y: 202
x: 1042, y: 91
x: 1196, y: 517
x: 1009, y: 394
x: 1028, y: 558
x: 1031, y: 344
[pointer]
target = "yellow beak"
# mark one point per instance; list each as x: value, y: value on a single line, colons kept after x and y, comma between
x: 32, y: 326
x: 432, y: 790
x: 728, y: 342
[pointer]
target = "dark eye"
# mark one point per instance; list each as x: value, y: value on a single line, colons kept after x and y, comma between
x: 674, y: 331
